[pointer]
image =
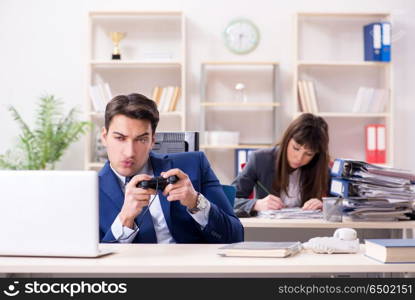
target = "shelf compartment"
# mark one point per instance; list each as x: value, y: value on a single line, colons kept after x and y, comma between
x: 305, y: 63
x: 239, y: 104
x: 241, y: 146
x: 135, y: 63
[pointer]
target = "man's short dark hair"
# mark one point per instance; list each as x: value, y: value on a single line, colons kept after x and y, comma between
x: 134, y: 106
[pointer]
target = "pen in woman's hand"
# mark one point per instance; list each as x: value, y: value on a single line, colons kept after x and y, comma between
x: 263, y: 187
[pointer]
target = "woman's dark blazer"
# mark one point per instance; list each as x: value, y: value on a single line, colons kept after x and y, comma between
x: 260, y: 167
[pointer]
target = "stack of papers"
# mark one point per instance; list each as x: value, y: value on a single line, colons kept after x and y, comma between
x: 359, y: 188
x: 373, y: 193
x: 291, y: 213
x: 391, y: 172
x: 373, y: 209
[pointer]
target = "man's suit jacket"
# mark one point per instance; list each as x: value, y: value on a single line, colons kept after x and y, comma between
x: 223, y: 226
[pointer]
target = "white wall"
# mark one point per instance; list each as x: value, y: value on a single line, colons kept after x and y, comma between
x: 43, y: 49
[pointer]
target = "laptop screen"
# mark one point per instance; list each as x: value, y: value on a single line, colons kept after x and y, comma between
x: 52, y: 213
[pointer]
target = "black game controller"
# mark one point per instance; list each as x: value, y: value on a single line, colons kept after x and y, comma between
x: 157, y: 182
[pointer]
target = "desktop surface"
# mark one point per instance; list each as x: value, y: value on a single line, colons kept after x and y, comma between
x: 320, y: 223
x: 196, y: 260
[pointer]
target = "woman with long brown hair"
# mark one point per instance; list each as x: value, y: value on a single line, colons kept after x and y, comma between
x: 294, y: 173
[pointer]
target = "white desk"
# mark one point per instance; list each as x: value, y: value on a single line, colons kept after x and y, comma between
x: 183, y: 260
x: 318, y: 223
x: 402, y: 229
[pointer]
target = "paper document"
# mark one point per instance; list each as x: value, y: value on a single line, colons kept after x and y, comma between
x: 291, y: 213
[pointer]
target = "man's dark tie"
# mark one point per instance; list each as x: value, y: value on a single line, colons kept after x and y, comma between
x: 127, y: 180
x: 146, y: 233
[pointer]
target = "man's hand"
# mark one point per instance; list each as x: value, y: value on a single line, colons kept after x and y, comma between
x: 182, y: 190
x: 313, y: 204
x: 134, y: 200
x: 269, y: 202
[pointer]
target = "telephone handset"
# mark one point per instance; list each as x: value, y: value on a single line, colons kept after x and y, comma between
x: 344, y: 240
x: 345, y: 234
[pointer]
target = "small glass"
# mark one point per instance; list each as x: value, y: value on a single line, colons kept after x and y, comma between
x: 332, y: 209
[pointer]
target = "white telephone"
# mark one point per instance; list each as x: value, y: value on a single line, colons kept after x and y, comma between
x: 344, y: 240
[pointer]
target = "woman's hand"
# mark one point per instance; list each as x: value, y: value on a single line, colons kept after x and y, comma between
x: 269, y: 202
x: 313, y: 204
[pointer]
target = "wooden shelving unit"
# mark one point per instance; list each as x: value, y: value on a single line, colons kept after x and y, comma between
x: 152, y: 54
x: 328, y: 50
x: 240, y: 146
x: 222, y: 110
x: 250, y: 104
x: 342, y: 63
x: 111, y: 64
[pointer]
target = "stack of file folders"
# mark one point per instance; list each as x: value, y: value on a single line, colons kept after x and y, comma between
x: 371, y: 192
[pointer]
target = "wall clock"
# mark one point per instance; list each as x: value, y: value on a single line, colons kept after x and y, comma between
x: 241, y: 36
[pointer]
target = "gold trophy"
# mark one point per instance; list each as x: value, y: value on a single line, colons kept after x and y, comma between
x: 116, y: 37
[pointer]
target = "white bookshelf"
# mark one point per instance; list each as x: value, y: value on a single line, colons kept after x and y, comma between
x: 341, y: 63
x: 251, y: 104
x: 95, y: 166
x: 239, y: 146
x: 152, y: 54
x: 348, y: 14
x: 329, y: 51
x: 143, y: 63
x: 255, y: 120
x: 349, y: 115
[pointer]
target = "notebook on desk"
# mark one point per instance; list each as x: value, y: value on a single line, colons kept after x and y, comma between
x: 261, y: 249
x: 49, y: 213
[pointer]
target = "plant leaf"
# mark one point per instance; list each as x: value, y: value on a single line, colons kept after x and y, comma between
x: 43, y: 146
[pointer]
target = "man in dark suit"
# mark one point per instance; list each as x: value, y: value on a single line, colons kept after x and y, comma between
x: 192, y: 210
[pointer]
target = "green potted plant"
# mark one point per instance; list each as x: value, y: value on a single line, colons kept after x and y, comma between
x: 41, y: 147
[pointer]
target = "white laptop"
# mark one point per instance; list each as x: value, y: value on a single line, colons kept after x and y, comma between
x: 49, y: 213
